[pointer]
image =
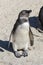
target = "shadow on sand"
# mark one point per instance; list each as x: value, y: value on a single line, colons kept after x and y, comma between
x: 4, y: 45
x: 34, y: 22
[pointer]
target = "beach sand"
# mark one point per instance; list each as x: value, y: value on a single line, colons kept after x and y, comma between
x: 9, y: 10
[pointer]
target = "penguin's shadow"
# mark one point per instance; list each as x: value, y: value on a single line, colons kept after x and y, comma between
x: 34, y: 22
x: 4, y: 45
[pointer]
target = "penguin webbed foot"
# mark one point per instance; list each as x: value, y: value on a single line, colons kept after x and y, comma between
x: 17, y: 54
x: 25, y: 53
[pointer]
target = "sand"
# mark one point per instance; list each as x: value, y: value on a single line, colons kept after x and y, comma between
x: 9, y: 10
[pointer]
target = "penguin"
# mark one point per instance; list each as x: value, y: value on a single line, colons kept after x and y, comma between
x: 41, y: 15
x: 21, y: 34
x: 41, y: 19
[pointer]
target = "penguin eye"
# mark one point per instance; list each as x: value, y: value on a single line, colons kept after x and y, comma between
x: 24, y: 14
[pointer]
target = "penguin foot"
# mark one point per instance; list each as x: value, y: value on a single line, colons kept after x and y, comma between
x: 17, y: 54
x: 25, y: 53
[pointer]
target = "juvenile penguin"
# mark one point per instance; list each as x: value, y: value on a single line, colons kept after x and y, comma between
x: 21, y: 35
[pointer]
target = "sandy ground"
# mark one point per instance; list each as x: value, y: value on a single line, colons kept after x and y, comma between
x: 9, y: 10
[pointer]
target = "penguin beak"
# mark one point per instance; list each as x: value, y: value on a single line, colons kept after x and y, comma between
x: 29, y: 11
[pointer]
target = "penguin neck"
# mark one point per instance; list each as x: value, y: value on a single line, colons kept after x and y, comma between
x: 21, y: 21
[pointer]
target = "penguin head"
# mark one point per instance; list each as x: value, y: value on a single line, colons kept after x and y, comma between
x: 24, y: 14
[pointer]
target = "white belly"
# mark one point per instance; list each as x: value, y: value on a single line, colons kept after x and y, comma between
x: 21, y: 36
